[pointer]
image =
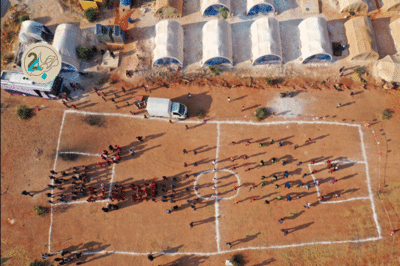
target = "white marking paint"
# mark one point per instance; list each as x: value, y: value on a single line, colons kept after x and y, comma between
x: 340, y: 162
x: 216, y: 200
x: 80, y: 153
x: 54, y: 167
x: 316, y: 187
x: 340, y: 201
x: 77, y: 202
x: 234, y: 250
x: 111, y: 181
x: 218, y: 238
x: 378, y: 228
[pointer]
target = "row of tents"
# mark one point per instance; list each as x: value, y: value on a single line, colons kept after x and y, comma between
x: 266, y: 41
x: 173, y: 8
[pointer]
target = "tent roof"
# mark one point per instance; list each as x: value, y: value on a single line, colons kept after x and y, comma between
x: 207, y: 3
x: 66, y: 40
x: 314, y: 37
x: 388, y: 4
x: 252, y: 3
x: 30, y: 28
x: 217, y: 40
x: 389, y: 69
x: 265, y: 37
x: 395, y: 29
x: 353, y: 5
x: 169, y: 41
x: 177, y: 4
x: 361, y: 38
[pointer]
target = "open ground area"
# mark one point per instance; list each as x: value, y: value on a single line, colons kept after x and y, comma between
x: 350, y: 225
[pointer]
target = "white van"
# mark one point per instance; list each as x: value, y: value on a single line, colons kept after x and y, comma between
x: 165, y: 108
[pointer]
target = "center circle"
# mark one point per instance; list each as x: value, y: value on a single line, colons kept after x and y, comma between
x: 222, y: 188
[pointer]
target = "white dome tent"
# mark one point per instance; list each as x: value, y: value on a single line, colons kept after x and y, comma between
x: 255, y: 7
x: 169, y: 43
x: 212, y: 7
x: 66, y: 40
x: 315, y: 44
x: 217, y: 43
x: 266, y: 41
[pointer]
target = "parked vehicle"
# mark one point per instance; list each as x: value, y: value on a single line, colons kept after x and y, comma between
x: 17, y: 83
x: 165, y: 108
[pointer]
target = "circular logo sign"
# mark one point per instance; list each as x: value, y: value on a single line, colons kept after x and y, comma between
x: 41, y: 62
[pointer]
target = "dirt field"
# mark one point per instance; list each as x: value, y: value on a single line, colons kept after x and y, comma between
x: 126, y: 236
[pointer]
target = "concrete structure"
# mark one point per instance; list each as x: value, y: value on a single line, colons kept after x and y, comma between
x: 266, y: 41
x: 315, y: 44
x: 391, y: 5
x: 169, y: 43
x: 217, y: 43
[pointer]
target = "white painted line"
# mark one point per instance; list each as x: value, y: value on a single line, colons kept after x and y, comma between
x: 312, y: 175
x: 77, y: 202
x: 233, y: 250
x: 217, y: 236
x: 79, y: 153
x: 111, y: 181
x: 340, y: 162
x: 54, y: 167
x: 378, y: 228
x: 340, y: 201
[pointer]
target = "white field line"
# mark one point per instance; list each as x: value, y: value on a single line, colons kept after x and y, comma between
x: 80, y: 153
x: 341, y: 162
x: 217, y: 236
x: 77, y: 202
x: 233, y: 250
x: 312, y: 175
x: 378, y: 228
x: 111, y: 181
x: 216, y: 122
x: 52, y: 190
x: 340, y: 201
x: 195, y: 183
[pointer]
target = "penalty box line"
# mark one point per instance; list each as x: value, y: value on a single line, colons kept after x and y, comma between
x: 233, y: 250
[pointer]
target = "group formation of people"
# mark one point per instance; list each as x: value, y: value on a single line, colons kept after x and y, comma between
x: 109, y: 158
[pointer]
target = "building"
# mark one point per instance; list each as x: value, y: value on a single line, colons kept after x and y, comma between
x: 314, y: 37
x: 168, y: 9
x: 169, y: 43
x: 361, y: 39
x: 395, y: 29
x: 356, y: 6
x: 266, y: 41
x: 389, y: 68
x: 213, y: 7
x: 255, y: 7
x: 66, y: 40
x: 217, y: 43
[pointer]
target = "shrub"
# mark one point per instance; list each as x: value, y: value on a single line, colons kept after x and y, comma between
x: 69, y: 156
x: 94, y: 120
x: 386, y: 114
x: 85, y: 53
x: 237, y: 260
x: 224, y: 12
x: 200, y: 114
x: 24, y: 112
x: 8, y: 58
x: 91, y: 14
x: 270, y: 81
x: 359, y: 71
x: 214, y: 69
x: 102, y: 80
x: 24, y: 17
x: 40, y: 210
x: 40, y: 263
x: 322, y: 82
x: 260, y: 113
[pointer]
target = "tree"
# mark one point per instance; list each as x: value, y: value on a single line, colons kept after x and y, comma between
x: 91, y: 14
